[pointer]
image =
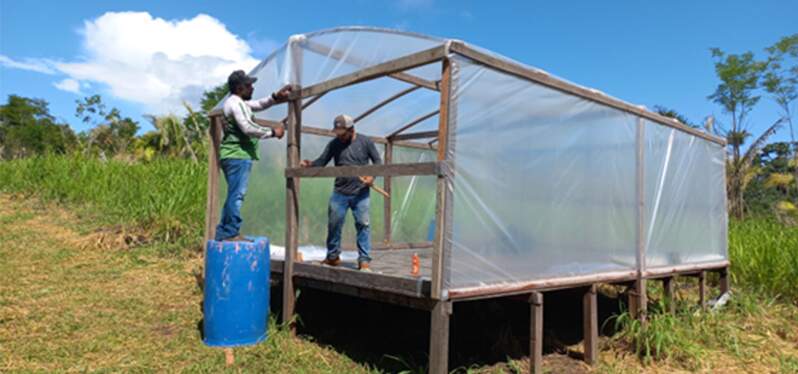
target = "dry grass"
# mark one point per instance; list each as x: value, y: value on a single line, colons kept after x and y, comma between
x: 66, y: 305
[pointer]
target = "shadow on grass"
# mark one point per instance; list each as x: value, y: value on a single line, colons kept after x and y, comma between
x: 391, y: 338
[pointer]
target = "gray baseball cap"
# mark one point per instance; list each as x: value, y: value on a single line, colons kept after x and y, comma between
x: 343, y: 123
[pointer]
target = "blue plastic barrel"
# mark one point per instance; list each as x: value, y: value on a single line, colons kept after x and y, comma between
x: 236, y: 304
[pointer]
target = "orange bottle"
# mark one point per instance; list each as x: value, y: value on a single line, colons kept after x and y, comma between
x: 414, y: 271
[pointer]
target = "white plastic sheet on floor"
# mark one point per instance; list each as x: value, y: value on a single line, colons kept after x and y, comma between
x: 544, y: 183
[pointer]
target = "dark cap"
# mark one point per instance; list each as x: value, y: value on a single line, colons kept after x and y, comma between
x: 239, y: 77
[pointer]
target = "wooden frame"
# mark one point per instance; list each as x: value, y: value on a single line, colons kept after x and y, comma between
x: 434, y: 294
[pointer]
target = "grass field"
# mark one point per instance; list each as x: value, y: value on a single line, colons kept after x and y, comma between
x: 80, y: 291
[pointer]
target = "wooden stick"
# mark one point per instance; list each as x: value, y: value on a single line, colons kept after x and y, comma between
x: 536, y: 333
x: 228, y: 356
x: 375, y: 188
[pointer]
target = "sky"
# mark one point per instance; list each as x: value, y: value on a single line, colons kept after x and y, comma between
x: 147, y: 57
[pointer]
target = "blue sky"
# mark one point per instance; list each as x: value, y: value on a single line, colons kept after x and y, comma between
x: 645, y: 52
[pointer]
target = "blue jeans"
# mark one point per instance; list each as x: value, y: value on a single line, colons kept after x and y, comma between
x: 339, y: 204
x: 236, y: 173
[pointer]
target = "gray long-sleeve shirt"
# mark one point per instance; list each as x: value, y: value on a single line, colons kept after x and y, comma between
x: 357, y: 152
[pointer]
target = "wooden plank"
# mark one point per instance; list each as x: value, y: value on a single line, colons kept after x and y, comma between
x: 667, y: 293
x: 386, y: 185
x: 385, y: 102
x: 329, y: 133
x: 380, y: 70
x: 441, y: 194
x: 416, y: 135
x: 684, y: 269
x: 394, y: 170
x: 590, y: 325
x: 439, y: 337
x: 212, y: 199
x: 702, y: 289
x: 536, y: 333
x: 354, y: 60
x: 413, y: 123
x: 366, y: 293
x: 407, y: 286
x: 547, y: 80
x: 292, y: 210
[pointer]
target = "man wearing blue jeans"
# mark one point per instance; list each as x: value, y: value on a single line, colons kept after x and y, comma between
x: 348, y: 149
x: 239, y: 146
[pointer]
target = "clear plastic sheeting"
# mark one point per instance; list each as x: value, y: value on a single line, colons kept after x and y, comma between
x: 685, y: 221
x: 545, y: 183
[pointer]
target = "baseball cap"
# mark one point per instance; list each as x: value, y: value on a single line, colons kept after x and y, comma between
x: 239, y: 77
x: 342, y: 123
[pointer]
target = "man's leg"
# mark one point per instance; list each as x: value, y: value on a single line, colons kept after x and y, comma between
x: 236, y: 173
x: 336, y: 215
x: 360, y: 210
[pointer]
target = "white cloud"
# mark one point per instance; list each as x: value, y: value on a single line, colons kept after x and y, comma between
x: 38, y: 65
x: 68, y: 85
x: 155, y: 62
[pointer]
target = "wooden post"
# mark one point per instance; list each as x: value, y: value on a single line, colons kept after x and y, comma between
x: 536, y: 333
x: 212, y: 201
x: 667, y: 291
x: 443, y: 194
x: 439, y: 337
x: 724, y: 280
x: 641, y: 302
x: 702, y: 289
x: 291, y: 209
x: 590, y: 324
x: 386, y: 185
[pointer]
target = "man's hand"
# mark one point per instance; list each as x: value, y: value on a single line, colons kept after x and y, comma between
x: 305, y: 163
x: 368, y: 181
x: 278, y: 132
x: 282, y: 94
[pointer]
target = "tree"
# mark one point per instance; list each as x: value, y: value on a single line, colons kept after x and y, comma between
x: 27, y: 128
x: 781, y: 79
x: 670, y: 113
x: 110, y: 133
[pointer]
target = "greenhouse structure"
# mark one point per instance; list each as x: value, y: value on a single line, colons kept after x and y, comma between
x: 502, y: 179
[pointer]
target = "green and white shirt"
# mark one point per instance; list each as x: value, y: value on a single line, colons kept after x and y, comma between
x: 241, y: 133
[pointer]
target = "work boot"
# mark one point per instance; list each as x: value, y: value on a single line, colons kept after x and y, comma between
x: 364, y: 266
x: 332, y: 262
x: 237, y: 238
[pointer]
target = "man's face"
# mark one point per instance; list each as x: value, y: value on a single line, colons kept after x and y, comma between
x: 245, y: 91
x: 345, y: 136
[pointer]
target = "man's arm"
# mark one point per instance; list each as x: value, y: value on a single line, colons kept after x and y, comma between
x: 246, y: 124
x: 374, y: 155
x: 277, y: 97
x: 323, y: 159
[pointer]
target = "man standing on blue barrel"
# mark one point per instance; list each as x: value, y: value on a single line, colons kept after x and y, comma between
x: 239, y: 146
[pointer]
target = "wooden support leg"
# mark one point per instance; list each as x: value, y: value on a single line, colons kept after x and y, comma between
x: 724, y: 281
x: 702, y: 289
x: 536, y: 333
x: 590, y: 324
x: 439, y: 337
x: 667, y: 287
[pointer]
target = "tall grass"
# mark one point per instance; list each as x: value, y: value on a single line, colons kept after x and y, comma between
x: 764, y: 257
x: 164, y: 197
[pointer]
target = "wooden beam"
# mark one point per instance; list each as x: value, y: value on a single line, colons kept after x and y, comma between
x: 662, y: 271
x: 393, y: 170
x: 376, y: 71
x: 292, y: 210
x: 641, y: 302
x: 412, y: 123
x: 329, y: 133
x: 442, y: 191
x: 667, y: 293
x: 723, y: 275
x: 212, y: 199
x: 702, y: 289
x: 547, y: 80
x: 385, y: 102
x: 590, y: 324
x: 439, y: 337
x: 416, y: 135
x: 386, y: 185
x: 536, y: 333
x: 349, y: 58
